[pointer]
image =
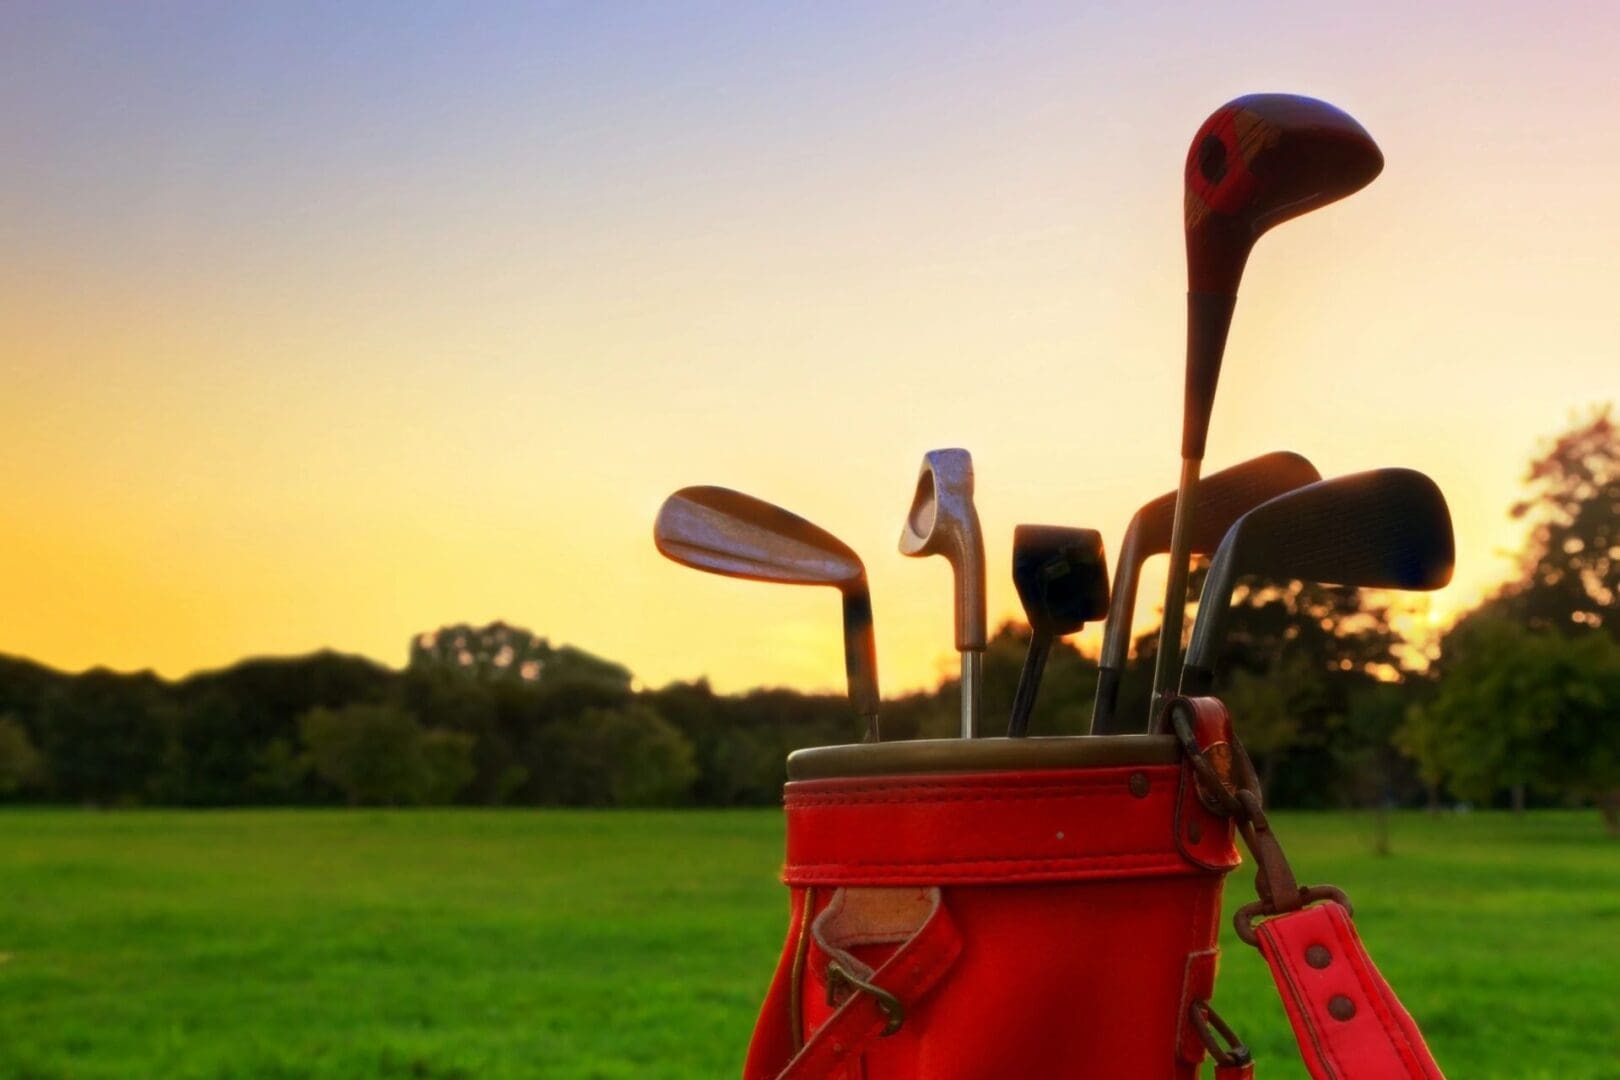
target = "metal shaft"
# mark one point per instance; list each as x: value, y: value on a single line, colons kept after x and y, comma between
x: 972, y: 691
x: 1168, y: 663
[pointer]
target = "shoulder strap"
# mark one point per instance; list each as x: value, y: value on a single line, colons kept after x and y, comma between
x: 1347, y: 1020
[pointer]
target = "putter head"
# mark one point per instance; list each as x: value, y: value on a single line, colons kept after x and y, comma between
x: 1062, y: 577
x: 1258, y: 161
x: 726, y: 532
x: 942, y: 521
x: 1384, y: 529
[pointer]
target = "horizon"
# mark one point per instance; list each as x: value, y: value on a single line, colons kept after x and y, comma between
x: 328, y: 328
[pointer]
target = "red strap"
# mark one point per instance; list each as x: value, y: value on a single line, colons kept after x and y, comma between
x: 1349, y: 1024
x: 913, y: 970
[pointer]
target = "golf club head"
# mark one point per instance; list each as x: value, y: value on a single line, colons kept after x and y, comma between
x: 1384, y: 529
x: 1062, y: 579
x: 721, y: 531
x: 1222, y: 498
x: 1258, y: 161
x: 1061, y: 574
x: 942, y: 521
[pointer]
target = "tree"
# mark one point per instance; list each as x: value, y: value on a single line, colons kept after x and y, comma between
x: 1569, y: 566
x: 499, y: 652
x: 1520, y: 707
x: 614, y: 757
x: 378, y: 754
x: 21, y: 767
x: 105, y: 736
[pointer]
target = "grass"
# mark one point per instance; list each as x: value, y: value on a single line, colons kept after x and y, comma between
x: 597, y: 945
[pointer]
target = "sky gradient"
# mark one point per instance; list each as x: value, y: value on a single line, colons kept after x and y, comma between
x: 323, y: 326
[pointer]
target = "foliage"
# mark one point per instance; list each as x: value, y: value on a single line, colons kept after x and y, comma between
x: 1522, y: 707
x: 1570, y: 579
x: 379, y: 755
x: 21, y: 766
x: 616, y: 757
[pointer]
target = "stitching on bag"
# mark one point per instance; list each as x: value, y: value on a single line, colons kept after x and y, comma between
x: 1375, y: 995
x: 815, y: 802
x: 1077, y: 786
x: 1302, y: 1008
x: 1121, y: 859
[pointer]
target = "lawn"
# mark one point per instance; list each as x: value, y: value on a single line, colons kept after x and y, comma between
x: 619, y: 944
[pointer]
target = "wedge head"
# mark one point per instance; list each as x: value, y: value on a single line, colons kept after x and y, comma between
x: 726, y: 532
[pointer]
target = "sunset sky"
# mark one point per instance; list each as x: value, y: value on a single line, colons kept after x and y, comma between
x: 325, y: 325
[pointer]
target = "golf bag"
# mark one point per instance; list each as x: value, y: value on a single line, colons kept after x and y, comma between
x: 974, y: 909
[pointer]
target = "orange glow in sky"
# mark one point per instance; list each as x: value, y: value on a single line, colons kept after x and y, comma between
x: 326, y: 346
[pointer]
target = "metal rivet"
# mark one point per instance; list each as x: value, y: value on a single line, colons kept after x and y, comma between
x: 1341, y: 1007
x: 1195, y: 831
x: 1139, y: 785
x: 1318, y: 956
x: 1060, y: 836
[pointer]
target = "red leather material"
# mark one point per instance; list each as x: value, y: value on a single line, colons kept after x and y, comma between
x: 1349, y: 1024
x: 1077, y: 908
x: 853, y: 1030
x: 1235, y: 1072
x: 1049, y: 825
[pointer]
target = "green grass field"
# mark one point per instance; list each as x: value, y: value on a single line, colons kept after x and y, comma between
x: 618, y: 944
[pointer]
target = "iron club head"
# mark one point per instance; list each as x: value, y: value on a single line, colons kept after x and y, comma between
x: 1385, y: 529
x: 943, y: 521
x: 721, y: 531
x: 1223, y: 497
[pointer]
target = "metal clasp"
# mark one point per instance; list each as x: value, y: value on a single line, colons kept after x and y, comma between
x: 1235, y: 792
x: 838, y: 980
x: 1226, y: 1048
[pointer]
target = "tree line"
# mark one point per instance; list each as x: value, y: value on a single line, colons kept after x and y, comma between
x: 1517, y: 705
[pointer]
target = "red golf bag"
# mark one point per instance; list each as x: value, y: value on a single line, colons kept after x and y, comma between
x: 967, y: 909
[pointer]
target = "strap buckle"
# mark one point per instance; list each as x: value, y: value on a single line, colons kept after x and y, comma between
x: 1231, y: 788
x: 840, y: 980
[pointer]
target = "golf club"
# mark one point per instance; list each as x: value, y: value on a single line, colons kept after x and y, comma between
x: 1385, y: 529
x: 942, y: 521
x: 1256, y: 162
x: 726, y: 532
x: 1062, y: 579
x: 1222, y: 498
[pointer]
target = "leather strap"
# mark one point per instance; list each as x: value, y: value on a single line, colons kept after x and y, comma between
x: 913, y: 970
x: 1347, y: 1020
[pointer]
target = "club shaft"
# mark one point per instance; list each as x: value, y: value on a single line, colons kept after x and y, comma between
x: 1168, y: 661
x: 1029, y: 683
x: 972, y: 691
